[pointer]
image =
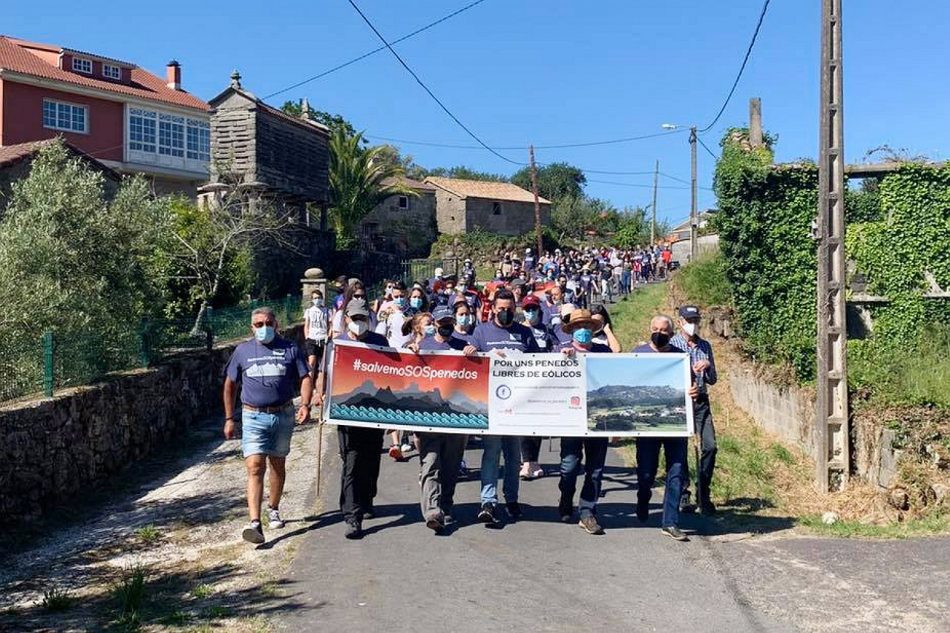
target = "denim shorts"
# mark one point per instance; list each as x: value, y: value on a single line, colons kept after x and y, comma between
x: 267, y: 433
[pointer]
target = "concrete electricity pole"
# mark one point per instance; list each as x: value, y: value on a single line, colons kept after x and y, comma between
x: 537, y: 204
x: 831, y: 420
x: 656, y: 176
x: 693, y: 211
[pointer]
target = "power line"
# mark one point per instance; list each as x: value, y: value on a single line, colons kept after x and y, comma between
x: 711, y: 153
x: 426, y: 88
x: 525, y: 147
x: 631, y: 184
x: 682, y: 180
x: 374, y: 51
x: 745, y: 60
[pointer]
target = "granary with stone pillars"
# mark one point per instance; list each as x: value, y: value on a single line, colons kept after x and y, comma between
x: 269, y: 156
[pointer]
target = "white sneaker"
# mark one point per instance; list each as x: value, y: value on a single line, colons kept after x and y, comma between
x: 273, y: 519
x: 405, y: 448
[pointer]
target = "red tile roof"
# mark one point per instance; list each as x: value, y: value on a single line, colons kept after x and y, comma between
x: 144, y: 85
x: 11, y: 154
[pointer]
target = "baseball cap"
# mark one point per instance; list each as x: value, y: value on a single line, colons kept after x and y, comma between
x: 356, y: 307
x: 530, y: 301
x: 443, y: 313
x: 689, y: 312
x: 566, y: 310
x: 438, y: 272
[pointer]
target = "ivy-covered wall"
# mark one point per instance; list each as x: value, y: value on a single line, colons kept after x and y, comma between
x: 770, y: 257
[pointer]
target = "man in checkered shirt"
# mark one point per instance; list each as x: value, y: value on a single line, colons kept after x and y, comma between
x: 704, y: 374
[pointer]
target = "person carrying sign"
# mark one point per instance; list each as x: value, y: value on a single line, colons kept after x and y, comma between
x: 440, y: 453
x: 581, y: 327
x: 359, y: 447
x: 501, y: 334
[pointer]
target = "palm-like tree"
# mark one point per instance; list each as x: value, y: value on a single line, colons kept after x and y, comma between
x: 360, y: 179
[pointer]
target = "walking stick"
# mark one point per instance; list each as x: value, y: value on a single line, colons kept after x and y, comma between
x: 319, y: 451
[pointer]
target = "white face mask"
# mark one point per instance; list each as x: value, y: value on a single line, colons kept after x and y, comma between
x: 358, y: 328
x: 690, y: 328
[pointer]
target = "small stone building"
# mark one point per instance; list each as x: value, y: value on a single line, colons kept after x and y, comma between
x: 402, y: 225
x: 496, y: 207
x: 279, y: 159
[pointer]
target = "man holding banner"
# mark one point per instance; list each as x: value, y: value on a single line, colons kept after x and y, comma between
x: 674, y: 448
x: 360, y: 447
x: 594, y: 449
x: 440, y: 453
x: 498, y: 335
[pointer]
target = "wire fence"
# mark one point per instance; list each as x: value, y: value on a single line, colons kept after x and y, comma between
x: 42, y: 362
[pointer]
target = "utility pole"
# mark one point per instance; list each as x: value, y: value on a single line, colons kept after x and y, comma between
x: 537, y: 203
x: 693, y: 212
x: 831, y: 420
x: 656, y: 176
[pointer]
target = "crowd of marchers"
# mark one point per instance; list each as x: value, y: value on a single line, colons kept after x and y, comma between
x: 554, y: 303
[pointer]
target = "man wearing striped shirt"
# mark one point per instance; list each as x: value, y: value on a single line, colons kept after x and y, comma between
x: 704, y: 373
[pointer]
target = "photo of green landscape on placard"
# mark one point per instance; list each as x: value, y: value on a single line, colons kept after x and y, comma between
x: 644, y: 395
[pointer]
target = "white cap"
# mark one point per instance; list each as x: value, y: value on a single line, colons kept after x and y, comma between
x: 566, y: 309
x: 527, y: 251
x: 438, y: 272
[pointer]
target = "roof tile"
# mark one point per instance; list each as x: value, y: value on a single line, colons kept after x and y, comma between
x: 484, y: 189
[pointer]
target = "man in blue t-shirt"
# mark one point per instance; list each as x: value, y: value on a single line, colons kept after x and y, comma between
x: 498, y: 334
x: 674, y: 448
x: 269, y: 370
x: 360, y: 447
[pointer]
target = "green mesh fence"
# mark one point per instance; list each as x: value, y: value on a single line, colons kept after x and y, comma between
x: 40, y: 363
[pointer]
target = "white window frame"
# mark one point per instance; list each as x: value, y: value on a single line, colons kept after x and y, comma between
x: 110, y: 71
x: 72, y: 108
x: 82, y: 65
x: 159, y: 146
x: 403, y: 202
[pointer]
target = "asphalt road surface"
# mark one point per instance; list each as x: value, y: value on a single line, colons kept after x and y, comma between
x: 539, y: 574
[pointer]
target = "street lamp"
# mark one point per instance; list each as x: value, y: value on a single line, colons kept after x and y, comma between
x: 693, y: 213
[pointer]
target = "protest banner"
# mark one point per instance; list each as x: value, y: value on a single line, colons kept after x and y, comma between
x: 615, y: 395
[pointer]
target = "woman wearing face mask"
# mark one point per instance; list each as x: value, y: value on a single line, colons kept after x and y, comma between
x: 464, y: 323
x: 603, y: 332
x: 593, y: 449
x: 417, y: 301
x: 355, y: 290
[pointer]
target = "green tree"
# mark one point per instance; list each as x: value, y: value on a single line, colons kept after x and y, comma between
x: 557, y: 181
x: 75, y: 263
x: 466, y: 173
x: 332, y: 121
x: 360, y: 179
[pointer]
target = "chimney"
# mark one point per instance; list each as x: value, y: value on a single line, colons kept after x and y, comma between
x: 755, y: 122
x: 173, y: 75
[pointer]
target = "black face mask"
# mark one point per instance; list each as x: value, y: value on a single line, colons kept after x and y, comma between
x: 505, y: 316
x: 445, y: 331
x: 660, y: 339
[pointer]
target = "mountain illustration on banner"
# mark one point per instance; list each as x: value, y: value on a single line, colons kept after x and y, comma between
x: 411, y: 405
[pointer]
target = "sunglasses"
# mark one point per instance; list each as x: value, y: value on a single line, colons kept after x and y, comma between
x: 261, y: 324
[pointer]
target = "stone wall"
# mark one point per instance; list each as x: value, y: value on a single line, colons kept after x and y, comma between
x: 512, y: 218
x: 404, y: 232
x: 450, y: 212
x: 57, y: 448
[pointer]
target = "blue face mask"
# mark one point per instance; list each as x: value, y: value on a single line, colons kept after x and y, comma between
x: 429, y: 330
x: 532, y: 316
x: 415, y: 303
x: 583, y: 336
x: 400, y: 302
x: 264, y: 334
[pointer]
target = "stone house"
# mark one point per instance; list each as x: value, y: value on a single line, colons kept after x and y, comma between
x: 402, y: 225
x: 271, y: 157
x: 495, y: 207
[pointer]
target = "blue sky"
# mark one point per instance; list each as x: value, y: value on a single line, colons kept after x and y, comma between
x: 653, y: 370
x: 520, y: 72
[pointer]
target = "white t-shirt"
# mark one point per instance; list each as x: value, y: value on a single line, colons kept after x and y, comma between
x: 316, y: 323
x: 393, y: 331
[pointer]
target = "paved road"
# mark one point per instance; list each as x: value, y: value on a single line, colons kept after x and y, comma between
x: 536, y: 575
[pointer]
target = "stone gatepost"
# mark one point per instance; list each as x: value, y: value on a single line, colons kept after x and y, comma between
x: 313, y: 279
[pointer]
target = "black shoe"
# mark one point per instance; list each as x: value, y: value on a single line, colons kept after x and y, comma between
x: 565, y: 509
x: 643, y: 511
x: 447, y: 519
x: 674, y: 533
x: 488, y: 515
x: 353, y: 530
x: 514, y: 510
x: 686, y: 504
x: 369, y: 513
x: 707, y: 509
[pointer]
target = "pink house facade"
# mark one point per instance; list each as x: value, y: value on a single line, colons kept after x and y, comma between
x: 127, y: 118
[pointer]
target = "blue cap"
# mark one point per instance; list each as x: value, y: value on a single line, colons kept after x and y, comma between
x: 443, y: 313
x: 689, y: 312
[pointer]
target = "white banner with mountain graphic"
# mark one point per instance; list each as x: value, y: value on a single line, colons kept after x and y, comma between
x: 611, y: 395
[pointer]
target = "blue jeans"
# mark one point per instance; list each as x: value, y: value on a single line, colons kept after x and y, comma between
x: 648, y: 460
x: 493, y: 446
x: 267, y: 433
x: 595, y: 454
